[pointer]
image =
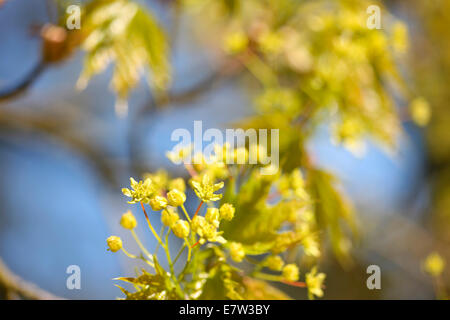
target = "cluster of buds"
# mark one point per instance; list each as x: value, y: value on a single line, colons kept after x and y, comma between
x: 274, y: 263
x: 291, y: 272
x: 237, y: 252
x: 165, y: 195
x: 206, y: 231
x: 168, y: 197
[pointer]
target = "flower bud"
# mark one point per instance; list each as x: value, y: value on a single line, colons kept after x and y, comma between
x: 128, y: 221
x: 178, y: 184
x: 227, y: 211
x: 235, y: 42
x: 275, y: 263
x: 169, y: 217
x: 434, y: 264
x: 290, y: 272
x: 197, y: 223
x: 114, y: 243
x: 237, y: 252
x: 176, y: 197
x: 212, y: 216
x: 208, y: 231
x: 181, y: 229
x: 158, y: 203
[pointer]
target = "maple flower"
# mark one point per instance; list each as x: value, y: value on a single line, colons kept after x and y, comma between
x: 141, y: 191
x: 128, y: 221
x: 206, y: 188
x: 314, y: 283
x: 114, y: 243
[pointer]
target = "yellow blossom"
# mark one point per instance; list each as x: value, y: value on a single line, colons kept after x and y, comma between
x: 314, y: 283
x: 114, y: 243
x: 158, y: 203
x: 237, y: 252
x: 141, y: 191
x: 206, y: 188
x: 198, y: 222
x: 291, y: 272
x: 275, y: 263
x: 128, y: 221
x: 176, y: 197
x: 169, y: 217
x: 434, y: 264
x: 212, y: 216
x: 226, y: 211
x: 181, y: 229
x: 311, y: 246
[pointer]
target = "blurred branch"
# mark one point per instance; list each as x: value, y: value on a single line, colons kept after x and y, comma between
x: 58, y: 129
x: 404, y: 242
x: 226, y: 71
x: 17, y: 287
x: 22, y: 86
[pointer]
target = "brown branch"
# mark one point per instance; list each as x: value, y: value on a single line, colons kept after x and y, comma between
x: 19, y: 121
x: 227, y: 71
x: 24, y: 84
x: 16, y: 287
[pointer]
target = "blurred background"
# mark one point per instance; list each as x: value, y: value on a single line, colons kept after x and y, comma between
x: 65, y: 154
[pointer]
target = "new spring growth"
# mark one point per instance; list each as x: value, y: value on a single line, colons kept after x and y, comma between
x: 198, y: 222
x: 314, y: 282
x: 181, y: 229
x: 158, y: 203
x: 165, y: 195
x: 237, y: 252
x: 141, y: 191
x: 114, y: 243
x: 128, y: 221
x: 206, y: 188
x: 206, y: 230
x: 291, y: 272
x: 176, y: 197
x: 274, y: 263
x: 212, y: 216
x: 169, y: 217
x: 226, y: 211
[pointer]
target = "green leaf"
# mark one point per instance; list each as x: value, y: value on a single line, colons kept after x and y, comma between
x: 333, y: 212
x: 126, y: 34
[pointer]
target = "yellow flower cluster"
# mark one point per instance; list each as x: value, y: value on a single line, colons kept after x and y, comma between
x: 168, y: 196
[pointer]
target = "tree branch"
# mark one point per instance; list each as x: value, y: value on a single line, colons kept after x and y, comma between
x: 22, y: 86
x: 17, y: 287
x: 58, y: 129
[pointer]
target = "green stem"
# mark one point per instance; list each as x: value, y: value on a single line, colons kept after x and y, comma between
x: 169, y: 261
x: 269, y: 277
x: 179, y: 254
x: 161, y: 234
x: 132, y: 256
x: 185, y: 213
x: 189, y: 249
x: 141, y: 246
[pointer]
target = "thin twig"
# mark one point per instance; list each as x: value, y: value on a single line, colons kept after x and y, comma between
x: 22, y: 86
x: 16, y: 286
